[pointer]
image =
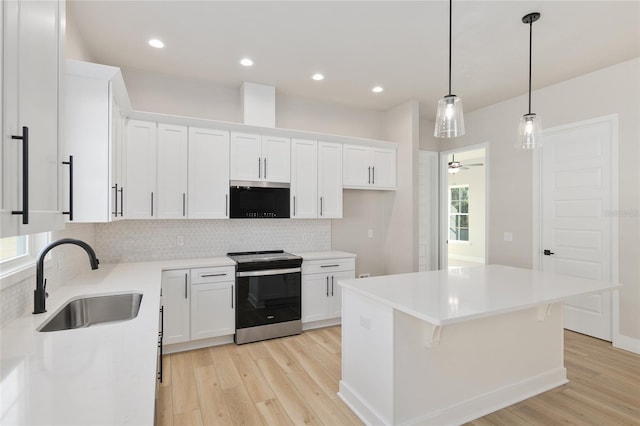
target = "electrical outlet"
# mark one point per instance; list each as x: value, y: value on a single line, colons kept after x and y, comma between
x: 180, y: 240
x: 508, y: 236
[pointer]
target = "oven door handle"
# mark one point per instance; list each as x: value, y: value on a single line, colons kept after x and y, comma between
x: 268, y: 272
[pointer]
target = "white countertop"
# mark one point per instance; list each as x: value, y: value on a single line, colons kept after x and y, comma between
x: 448, y: 297
x: 322, y: 255
x: 104, y: 374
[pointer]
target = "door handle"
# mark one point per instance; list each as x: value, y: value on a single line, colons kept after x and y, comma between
x: 547, y: 252
x: 25, y: 175
x: 70, y: 164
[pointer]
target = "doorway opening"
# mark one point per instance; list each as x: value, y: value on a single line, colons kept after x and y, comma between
x: 463, y: 214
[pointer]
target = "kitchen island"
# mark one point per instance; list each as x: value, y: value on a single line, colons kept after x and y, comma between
x: 446, y: 347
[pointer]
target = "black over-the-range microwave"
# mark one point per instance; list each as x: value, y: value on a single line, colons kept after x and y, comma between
x: 258, y: 200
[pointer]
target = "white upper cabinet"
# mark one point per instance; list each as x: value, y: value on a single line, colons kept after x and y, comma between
x: 330, y: 180
x: 276, y: 159
x: 260, y: 158
x: 141, y: 194
x: 93, y: 128
x: 367, y: 167
x: 32, y: 52
x: 172, y: 171
x: 208, y: 174
x: 304, y: 179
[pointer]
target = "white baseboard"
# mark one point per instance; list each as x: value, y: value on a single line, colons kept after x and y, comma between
x: 197, y: 344
x: 465, y: 411
x: 626, y: 343
x: 466, y: 258
x: 321, y: 324
x: 364, y: 412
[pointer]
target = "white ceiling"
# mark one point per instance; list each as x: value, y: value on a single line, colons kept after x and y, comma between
x: 400, y: 45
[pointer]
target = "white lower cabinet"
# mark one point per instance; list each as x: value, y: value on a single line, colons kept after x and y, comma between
x: 175, y: 299
x: 198, y: 303
x: 321, y: 294
x: 212, y: 302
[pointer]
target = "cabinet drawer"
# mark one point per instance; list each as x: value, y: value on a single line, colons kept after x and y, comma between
x: 328, y: 265
x: 213, y: 275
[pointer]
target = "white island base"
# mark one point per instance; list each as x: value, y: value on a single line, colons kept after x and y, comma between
x: 447, y: 361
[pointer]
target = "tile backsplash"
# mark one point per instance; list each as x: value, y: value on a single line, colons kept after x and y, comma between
x: 138, y: 240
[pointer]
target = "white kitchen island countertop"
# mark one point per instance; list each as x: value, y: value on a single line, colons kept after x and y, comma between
x: 449, y: 297
x: 100, y: 375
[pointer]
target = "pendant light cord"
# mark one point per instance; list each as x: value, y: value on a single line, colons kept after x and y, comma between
x: 530, y: 49
x: 450, y: 25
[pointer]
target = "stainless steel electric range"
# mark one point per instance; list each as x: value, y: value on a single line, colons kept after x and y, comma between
x: 268, y: 295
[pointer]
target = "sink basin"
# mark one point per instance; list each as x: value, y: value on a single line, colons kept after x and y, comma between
x: 89, y: 311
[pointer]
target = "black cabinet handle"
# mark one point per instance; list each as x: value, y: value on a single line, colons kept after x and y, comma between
x: 184, y: 204
x: 327, y: 287
x: 369, y: 174
x: 226, y: 205
x: 329, y: 266
x: 161, y: 338
x: 294, y: 205
x: 25, y: 175
x: 213, y: 275
x: 152, y: 204
x: 231, y: 296
x: 259, y: 168
x: 373, y: 173
x: 185, y: 286
x: 115, y: 198
x: 320, y: 206
x: 70, y: 164
x: 265, y: 168
x: 331, y: 285
x: 121, y: 202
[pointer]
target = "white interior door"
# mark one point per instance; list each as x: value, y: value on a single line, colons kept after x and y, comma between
x: 577, y: 224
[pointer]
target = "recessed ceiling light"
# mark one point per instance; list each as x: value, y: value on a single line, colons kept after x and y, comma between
x: 158, y: 44
x: 246, y: 62
x: 377, y: 89
x: 318, y: 77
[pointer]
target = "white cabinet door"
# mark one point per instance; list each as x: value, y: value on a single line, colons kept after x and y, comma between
x: 212, y: 310
x: 335, y: 307
x: 246, y: 153
x: 315, y: 297
x: 172, y: 164
x: 330, y: 180
x: 304, y: 179
x: 276, y: 159
x: 117, y: 160
x: 383, y: 172
x: 356, y: 167
x: 175, y: 299
x: 140, y: 194
x: 32, y: 34
x: 369, y: 167
x: 208, y: 174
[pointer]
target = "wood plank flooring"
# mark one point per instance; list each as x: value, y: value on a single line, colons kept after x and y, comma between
x: 294, y: 380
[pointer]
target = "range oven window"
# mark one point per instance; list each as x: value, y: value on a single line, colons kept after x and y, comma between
x: 267, y: 299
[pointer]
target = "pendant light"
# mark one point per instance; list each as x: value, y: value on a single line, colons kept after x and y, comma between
x: 449, y: 118
x: 529, y: 131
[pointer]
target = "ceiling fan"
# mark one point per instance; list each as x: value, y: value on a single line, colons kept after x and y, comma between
x: 456, y: 166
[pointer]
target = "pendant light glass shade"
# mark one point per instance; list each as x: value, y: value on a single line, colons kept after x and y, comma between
x: 449, y: 118
x: 529, y: 132
x: 530, y: 129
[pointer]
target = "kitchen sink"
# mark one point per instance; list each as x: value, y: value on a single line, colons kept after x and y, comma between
x: 94, y: 310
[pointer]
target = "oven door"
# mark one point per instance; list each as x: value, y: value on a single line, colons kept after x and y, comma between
x: 267, y: 297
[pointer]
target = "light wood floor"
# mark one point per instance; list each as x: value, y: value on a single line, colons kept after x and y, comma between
x: 294, y: 380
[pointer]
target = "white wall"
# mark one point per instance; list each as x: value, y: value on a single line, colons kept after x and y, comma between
x: 613, y: 90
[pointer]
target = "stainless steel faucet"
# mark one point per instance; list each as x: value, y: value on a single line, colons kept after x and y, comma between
x: 40, y: 295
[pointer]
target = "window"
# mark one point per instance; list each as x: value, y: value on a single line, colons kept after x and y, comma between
x: 459, y: 213
x: 18, y: 253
